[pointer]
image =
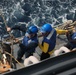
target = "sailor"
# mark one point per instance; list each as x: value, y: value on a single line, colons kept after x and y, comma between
x: 71, y: 36
x: 49, y: 40
x: 29, y: 43
x: 70, y: 45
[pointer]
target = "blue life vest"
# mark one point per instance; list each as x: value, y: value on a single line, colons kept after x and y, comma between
x: 26, y: 42
x: 74, y: 36
x: 73, y: 45
x: 51, y: 41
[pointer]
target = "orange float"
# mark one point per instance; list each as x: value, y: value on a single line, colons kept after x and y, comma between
x: 4, y: 67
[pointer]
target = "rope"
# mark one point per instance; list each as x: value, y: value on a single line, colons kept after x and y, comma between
x: 11, y: 41
x: 69, y: 25
x: 13, y: 58
x: 11, y: 35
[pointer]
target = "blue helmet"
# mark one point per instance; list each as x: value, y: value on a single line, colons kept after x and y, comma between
x: 32, y: 30
x: 46, y: 28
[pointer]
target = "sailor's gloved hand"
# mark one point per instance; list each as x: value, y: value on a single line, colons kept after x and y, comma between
x: 29, y: 41
x: 16, y: 40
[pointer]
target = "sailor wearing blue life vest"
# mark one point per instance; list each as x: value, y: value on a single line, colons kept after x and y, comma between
x: 71, y: 40
x: 29, y: 43
x: 49, y: 40
x: 71, y: 44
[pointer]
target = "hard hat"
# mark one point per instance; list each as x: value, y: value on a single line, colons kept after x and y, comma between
x: 32, y: 30
x: 46, y: 28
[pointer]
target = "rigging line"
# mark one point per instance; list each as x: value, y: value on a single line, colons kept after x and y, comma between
x: 11, y: 35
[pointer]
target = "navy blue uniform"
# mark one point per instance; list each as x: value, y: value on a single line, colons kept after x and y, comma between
x: 27, y: 47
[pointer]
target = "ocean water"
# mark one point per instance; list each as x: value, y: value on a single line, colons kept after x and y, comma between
x: 37, y: 12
